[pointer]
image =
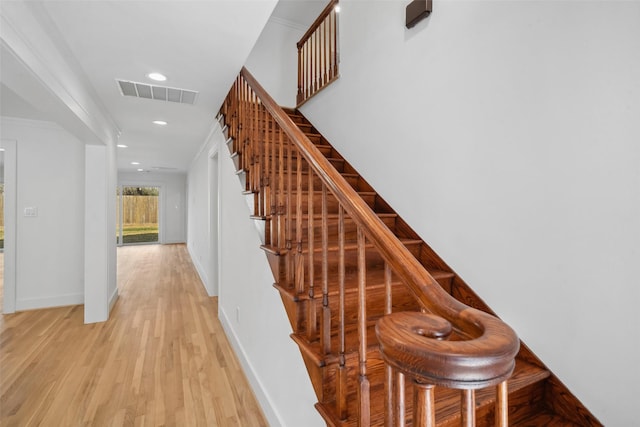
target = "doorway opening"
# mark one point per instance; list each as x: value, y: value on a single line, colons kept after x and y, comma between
x: 1, y: 228
x: 137, y: 215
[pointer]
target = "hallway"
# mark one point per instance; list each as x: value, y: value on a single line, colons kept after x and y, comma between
x: 161, y: 359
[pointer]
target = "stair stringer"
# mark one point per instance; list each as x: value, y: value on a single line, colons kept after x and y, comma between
x: 260, y: 337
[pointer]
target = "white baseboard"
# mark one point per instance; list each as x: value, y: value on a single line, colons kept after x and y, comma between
x: 113, y: 299
x: 268, y: 409
x: 201, y: 271
x: 48, y: 302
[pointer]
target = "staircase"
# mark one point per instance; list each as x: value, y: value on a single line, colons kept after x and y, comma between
x: 336, y: 284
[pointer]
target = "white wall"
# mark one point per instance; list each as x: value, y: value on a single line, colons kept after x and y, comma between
x: 506, y: 134
x: 274, y: 60
x: 50, y: 246
x: 199, y: 191
x: 172, y: 205
x: 250, y: 309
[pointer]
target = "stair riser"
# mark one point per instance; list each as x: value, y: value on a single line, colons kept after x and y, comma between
x: 326, y: 150
x: 350, y: 229
x: 332, y: 202
x: 401, y: 297
x: 258, y: 133
x: 317, y: 182
x: 338, y: 164
x: 373, y: 263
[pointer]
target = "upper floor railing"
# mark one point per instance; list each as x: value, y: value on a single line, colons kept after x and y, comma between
x: 318, y: 54
x: 448, y: 344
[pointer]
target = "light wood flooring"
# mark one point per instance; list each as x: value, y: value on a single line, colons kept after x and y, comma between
x: 162, y: 359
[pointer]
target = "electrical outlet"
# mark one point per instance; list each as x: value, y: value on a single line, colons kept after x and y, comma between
x: 31, y: 211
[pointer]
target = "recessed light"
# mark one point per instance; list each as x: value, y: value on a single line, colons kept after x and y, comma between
x: 1, y: 149
x: 135, y: 163
x: 157, y: 77
x: 160, y: 122
x: 122, y: 146
x: 140, y: 170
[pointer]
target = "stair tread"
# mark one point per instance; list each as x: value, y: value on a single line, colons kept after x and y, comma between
x: 319, y: 192
x: 545, y: 419
x: 374, y: 281
x: 447, y: 401
x: 334, y: 216
x: 349, y: 245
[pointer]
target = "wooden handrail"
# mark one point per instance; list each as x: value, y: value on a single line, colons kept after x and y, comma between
x: 325, y: 12
x: 487, y: 356
x: 412, y: 343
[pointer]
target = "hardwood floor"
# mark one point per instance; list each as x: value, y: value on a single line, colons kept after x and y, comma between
x: 162, y: 359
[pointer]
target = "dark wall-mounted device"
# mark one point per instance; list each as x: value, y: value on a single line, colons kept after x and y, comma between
x: 417, y: 10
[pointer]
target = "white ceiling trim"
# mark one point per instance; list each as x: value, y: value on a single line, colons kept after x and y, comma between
x: 37, y: 51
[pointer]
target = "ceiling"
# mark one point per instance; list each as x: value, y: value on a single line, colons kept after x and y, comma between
x: 198, y: 45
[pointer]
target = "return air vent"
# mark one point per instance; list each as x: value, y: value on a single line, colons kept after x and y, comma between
x: 160, y: 93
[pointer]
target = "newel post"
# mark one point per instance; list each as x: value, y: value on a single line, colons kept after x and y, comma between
x: 417, y: 345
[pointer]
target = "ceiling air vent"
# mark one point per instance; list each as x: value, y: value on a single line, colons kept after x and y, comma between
x: 160, y: 93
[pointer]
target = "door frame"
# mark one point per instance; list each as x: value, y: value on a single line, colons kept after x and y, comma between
x: 10, y: 224
x: 160, y: 210
x: 213, y: 274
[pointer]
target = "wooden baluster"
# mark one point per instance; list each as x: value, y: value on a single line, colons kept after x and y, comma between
x: 468, y: 408
x: 319, y: 53
x: 502, y: 405
x: 424, y: 409
x: 318, y: 71
x: 335, y: 42
x: 254, y: 149
x: 399, y: 407
x: 299, y: 270
x: 325, y: 48
x: 311, y: 309
x: 233, y: 132
x: 313, y: 65
x: 238, y: 141
x: 305, y: 48
x: 259, y: 154
x: 289, y: 207
x: 265, y: 173
x: 250, y: 139
x: 234, y: 115
x: 341, y: 389
x: 388, y: 384
x: 281, y: 201
x: 329, y: 45
x: 310, y: 67
x: 307, y: 64
x: 300, y: 96
x: 255, y: 175
x: 246, y: 128
x: 325, y: 329
x: 242, y: 128
x: 276, y: 183
x: 363, y: 381
x: 247, y: 139
x: 268, y: 189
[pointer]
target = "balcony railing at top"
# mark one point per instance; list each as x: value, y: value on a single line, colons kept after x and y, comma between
x: 318, y: 54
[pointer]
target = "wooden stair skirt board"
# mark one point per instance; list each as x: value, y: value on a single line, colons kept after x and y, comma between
x: 536, y: 396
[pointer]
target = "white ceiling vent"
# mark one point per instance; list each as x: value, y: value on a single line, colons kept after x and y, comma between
x: 160, y: 93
